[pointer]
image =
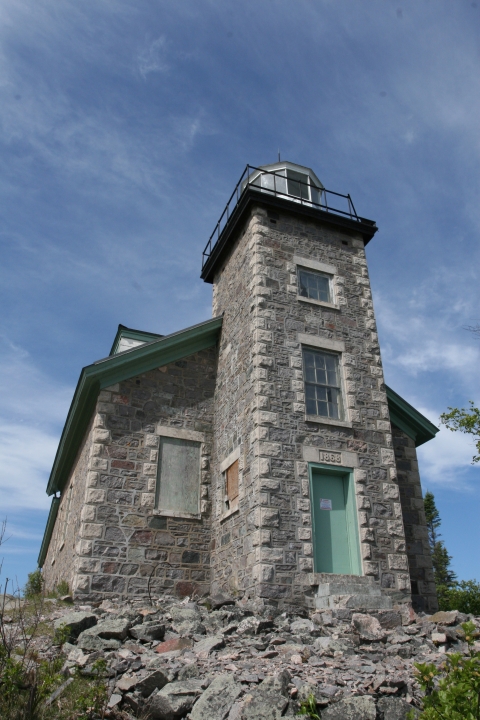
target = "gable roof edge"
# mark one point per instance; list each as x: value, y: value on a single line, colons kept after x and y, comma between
x: 114, y: 369
x: 407, y: 418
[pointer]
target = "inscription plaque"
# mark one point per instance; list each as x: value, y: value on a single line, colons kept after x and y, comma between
x: 327, y: 456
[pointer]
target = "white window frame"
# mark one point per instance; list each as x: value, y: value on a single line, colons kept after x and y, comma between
x: 323, y: 268
x: 337, y: 347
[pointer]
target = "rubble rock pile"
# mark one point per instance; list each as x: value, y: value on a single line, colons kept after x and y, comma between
x: 221, y: 659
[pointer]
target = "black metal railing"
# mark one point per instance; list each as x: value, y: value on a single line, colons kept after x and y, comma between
x: 278, y: 187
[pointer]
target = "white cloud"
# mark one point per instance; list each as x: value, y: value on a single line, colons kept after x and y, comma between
x: 29, y: 397
x: 446, y: 460
x: 429, y: 355
x: 153, y: 58
x: 26, y: 456
x: 426, y: 337
x: 34, y: 407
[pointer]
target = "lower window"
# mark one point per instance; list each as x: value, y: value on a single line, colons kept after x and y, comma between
x: 322, y: 384
x: 231, y: 486
x: 178, y: 478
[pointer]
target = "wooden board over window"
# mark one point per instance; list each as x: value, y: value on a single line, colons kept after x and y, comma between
x: 178, y: 480
x: 232, y: 481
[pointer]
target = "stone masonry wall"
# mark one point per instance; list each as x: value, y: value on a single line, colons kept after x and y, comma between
x: 59, y: 562
x: 121, y: 541
x: 274, y: 518
x: 232, y: 559
x: 424, y: 596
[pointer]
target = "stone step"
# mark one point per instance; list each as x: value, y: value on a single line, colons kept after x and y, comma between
x: 323, y: 578
x: 356, y: 601
x: 347, y: 588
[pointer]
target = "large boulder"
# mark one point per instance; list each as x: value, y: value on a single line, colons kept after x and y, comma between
x: 115, y: 628
x: 302, y: 627
x: 174, y: 700
x: 217, y: 700
x: 148, y: 631
x: 353, y: 708
x: 253, y: 626
x: 77, y: 622
x: 394, y: 709
x: 269, y: 700
x: 151, y: 681
x: 444, y: 617
x: 93, y: 642
x: 176, y: 644
x: 368, y: 627
x: 187, y: 621
x: 218, y: 601
x: 208, y: 645
x: 106, y: 635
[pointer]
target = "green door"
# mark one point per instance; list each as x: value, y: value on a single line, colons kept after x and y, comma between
x: 334, y: 527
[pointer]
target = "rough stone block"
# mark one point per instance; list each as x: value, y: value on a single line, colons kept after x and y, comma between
x: 397, y: 562
x: 91, y: 530
x: 215, y: 703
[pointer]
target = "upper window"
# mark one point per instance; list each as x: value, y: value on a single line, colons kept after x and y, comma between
x: 285, y: 181
x: 322, y: 384
x: 298, y: 184
x: 314, y: 285
x: 178, y: 478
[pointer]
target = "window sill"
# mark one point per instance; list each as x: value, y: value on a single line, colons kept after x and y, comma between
x: 321, y: 303
x: 177, y: 514
x: 228, y: 513
x: 328, y: 421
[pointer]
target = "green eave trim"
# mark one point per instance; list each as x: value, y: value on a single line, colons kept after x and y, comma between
x: 406, y: 418
x: 114, y: 369
x: 131, y: 334
x: 52, y: 516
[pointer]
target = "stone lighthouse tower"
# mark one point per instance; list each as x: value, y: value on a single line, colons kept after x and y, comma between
x: 306, y: 502
x: 259, y: 452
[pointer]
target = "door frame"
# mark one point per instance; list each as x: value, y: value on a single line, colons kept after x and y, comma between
x: 353, y: 534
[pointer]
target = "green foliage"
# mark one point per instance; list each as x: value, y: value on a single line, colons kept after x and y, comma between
x: 62, y: 634
x: 465, y: 597
x: 63, y: 588
x: 34, y: 586
x: 92, y: 702
x: 453, y: 691
x: 25, y: 685
x: 465, y: 420
x: 309, y: 707
x: 444, y: 575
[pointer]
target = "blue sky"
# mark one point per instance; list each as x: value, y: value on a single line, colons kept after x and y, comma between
x: 124, y: 126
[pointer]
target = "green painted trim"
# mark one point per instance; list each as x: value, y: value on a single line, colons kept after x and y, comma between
x: 351, y: 512
x: 406, y: 418
x: 47, y: 535
x: 114, y: 369
x: 131, y: 334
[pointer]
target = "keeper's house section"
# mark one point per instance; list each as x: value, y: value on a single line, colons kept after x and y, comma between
x: 259, y: 452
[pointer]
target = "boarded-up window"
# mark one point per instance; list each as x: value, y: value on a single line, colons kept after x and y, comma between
x: 232, y: 481
x: 178, y: 479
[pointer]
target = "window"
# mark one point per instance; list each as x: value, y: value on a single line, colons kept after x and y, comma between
x: 284, y: 181
x: 178, y: 478
x: 322, y: 384
x: 231, y: 485
x: 297, y: 184
x: 314, y: 285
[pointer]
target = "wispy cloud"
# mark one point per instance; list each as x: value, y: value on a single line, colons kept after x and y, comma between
x: 153, y: 58
x: 33, y: 409
x: 446, y: 460
x: 425, y: 334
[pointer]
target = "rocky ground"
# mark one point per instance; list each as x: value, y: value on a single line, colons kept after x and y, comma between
x: 219, y: 659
